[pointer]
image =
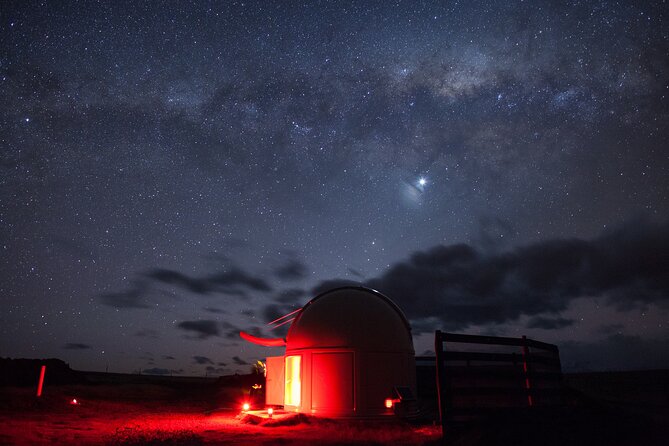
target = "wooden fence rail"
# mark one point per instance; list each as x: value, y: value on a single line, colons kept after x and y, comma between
x: 525, y: 373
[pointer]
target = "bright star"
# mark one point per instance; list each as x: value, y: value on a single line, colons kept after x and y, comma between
x: 422, y: 181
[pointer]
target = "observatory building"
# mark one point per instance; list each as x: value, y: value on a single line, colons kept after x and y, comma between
x: 349, y: 353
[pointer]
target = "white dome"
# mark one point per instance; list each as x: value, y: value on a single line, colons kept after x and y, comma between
x: 351, y: 317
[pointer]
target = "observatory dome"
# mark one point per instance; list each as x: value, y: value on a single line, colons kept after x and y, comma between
x: 349, y: 353
x: 351, y: 317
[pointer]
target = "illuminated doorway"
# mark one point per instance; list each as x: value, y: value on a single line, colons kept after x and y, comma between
x: 293, y: 381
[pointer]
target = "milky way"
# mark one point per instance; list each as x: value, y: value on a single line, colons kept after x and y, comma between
x: 171, y: 173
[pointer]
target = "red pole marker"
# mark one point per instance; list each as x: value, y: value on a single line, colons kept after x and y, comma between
x: 40, y: 383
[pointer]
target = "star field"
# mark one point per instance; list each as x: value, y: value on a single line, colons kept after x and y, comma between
x: 171, y: 173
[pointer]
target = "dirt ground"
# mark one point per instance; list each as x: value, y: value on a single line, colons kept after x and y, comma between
x: 604, y: 409
x: 156, y: 416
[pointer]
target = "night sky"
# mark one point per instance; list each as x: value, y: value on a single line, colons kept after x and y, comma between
x: 173, y: 172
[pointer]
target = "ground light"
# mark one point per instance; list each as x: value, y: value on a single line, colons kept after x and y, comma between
x: 270, y: 412
x: 246, y: 407
x: 390, y: 402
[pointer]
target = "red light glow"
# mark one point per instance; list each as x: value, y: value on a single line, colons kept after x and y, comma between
x: 40, y: 383
x: 390, y: 402
x: 74, y: 402
x: 246, y: 407
x: 273, y: 342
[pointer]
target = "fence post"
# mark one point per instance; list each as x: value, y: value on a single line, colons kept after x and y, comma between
x: 442, y: 387
x: 40, y: 382
x: 526, y: 370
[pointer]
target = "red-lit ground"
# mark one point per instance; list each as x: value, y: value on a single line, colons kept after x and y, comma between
x: 155, y: 415
x: 630, y: 408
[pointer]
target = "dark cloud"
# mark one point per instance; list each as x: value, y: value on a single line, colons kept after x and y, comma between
x: 356, y: 273
x: 291, y: 270
x: 132, y: 298
x: 76, y: 346
x: 548, y: 323
x: 203, y: 328
x: 272, y: 312
x: 231, y: 330
x: 327, y: 285
x: 287, y: 302
x: 168, y: 357
x: 202, y: 360
x: 239, y: 361
x: 460, y: 286
x: 290, y: 296
x: 228, y: 325
x: 222, y: 364
x: 234, y: 282
x: 197, y: 286
x: 214, y: 310
x: 228, y: 282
